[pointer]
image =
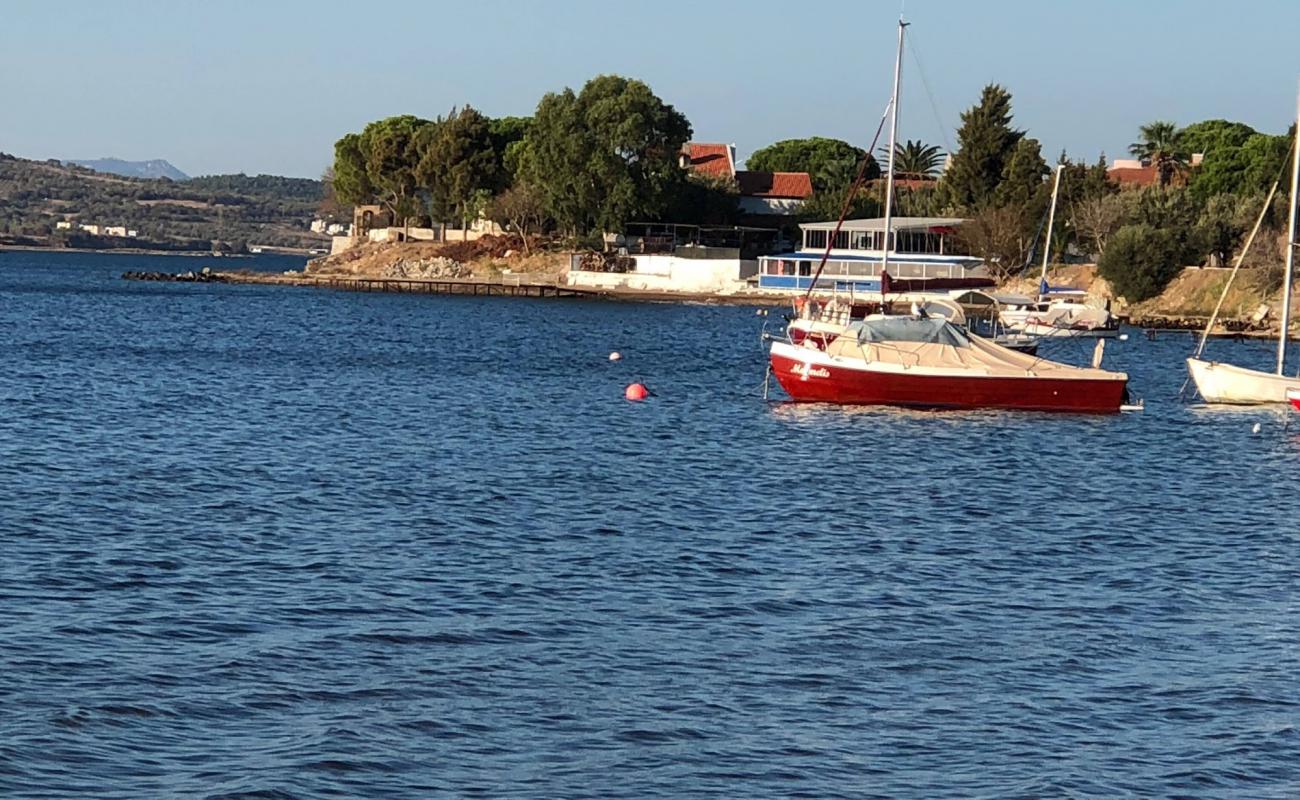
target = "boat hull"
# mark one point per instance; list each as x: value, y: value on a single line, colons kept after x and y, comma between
x: 1050, y: 331
x: 1224, y: 383
x: 824, y: 380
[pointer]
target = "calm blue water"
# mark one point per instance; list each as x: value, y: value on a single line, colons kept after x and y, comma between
x: 264, y: 542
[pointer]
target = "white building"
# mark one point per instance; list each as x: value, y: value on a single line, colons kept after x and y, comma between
x: 676, y: 258
x: 63, y: 225
x: 923, y: 250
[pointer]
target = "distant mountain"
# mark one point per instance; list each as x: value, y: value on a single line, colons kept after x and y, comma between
x: 154, y: 168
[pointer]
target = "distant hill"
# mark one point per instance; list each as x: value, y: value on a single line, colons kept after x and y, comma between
x: 154, y: 168
x: 237, y: 210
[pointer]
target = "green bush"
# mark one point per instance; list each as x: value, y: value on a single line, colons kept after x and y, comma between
x: 1140, y: 261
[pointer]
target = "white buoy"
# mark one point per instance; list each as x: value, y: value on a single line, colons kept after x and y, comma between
x: 1256, y: 428
x: 1123, y: 337
x: 615, y: 356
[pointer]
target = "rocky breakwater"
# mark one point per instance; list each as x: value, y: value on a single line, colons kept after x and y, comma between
x: 426, y: 268
x: 205, y: 275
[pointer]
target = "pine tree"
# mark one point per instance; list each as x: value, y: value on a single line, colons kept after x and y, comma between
x: 1097, y: 183
x: 985, y: 142
x: 1022, y: 177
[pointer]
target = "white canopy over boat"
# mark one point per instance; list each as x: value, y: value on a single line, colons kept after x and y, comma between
x: 936, y: 346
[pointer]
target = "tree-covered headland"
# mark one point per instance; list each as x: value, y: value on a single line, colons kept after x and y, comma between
x: 608, y: 154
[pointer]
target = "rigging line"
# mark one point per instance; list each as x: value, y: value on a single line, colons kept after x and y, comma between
x: 1033, y: 245
x: 1268, y: 201
x: 934, y: 107
x: 848, y: 201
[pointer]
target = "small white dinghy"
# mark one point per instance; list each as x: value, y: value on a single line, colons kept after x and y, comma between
x: 1224, y: 383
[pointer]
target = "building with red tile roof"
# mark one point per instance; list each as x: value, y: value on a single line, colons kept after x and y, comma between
x: 717, y: 160
x: 761, y: 193
x: 1132, y: 172
x: 782, y: 185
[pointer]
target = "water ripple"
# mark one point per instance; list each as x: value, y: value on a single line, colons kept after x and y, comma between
x: 262, y: 543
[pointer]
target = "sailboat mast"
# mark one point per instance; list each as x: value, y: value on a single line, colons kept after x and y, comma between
x: 1290, y: 249
x: 893, y: 145
x: 1047, y: 240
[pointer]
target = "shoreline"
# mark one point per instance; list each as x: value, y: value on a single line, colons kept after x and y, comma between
x: 463, y: 286
x: 145, y: 251
x: 551, y: 289
x: 126, y: 251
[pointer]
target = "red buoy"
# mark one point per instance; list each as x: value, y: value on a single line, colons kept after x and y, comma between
x: 636, y: 391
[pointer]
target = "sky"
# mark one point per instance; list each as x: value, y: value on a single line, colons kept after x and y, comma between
x: 268, y: 86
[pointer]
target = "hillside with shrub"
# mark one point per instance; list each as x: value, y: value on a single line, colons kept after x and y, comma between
x: 227, y: 212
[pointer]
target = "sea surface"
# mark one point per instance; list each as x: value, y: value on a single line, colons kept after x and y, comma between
x: 272, y: 542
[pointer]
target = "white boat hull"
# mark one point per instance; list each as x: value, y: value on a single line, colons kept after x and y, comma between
x: 1051, y: 331
x: 1224, y: 383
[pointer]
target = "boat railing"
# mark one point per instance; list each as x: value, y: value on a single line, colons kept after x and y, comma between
x: 903, y: 354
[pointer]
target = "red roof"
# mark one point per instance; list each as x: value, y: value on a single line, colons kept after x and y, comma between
x: 783, y: 185
x: 1133, y: 176
x: 711, y: 159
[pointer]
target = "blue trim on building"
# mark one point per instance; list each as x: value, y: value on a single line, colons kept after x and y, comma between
x: 828, y: 283
x: 894, y: 258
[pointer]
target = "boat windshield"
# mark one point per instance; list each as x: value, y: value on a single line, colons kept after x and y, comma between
x: 911, y: 329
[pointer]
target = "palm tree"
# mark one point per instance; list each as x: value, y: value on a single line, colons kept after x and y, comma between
x: 915, y: 160
x: 1161, y: 147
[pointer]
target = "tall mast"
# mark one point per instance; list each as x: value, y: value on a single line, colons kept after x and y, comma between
x: 1047, y: 241
x: 893, y: 144
x: 1290, y: 249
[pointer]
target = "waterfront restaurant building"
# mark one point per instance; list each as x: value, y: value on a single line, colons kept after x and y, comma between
x: 925, y: 253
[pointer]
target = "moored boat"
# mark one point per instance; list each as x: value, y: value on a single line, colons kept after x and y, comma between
x: 1293, y: 397
x: 1059, y: 311
x: 1225, y: 383
x: 841, y: 352
x: 924, y: 362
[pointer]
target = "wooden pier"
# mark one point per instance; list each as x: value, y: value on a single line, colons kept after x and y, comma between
x: 505, y: 286
x: 512, y: 286
x: 444, y: 286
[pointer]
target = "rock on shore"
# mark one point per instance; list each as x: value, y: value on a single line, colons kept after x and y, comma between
x: 205, y: 275
x: 428, y: 267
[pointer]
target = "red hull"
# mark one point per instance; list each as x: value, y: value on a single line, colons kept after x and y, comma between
x: 1295, y: 401
x: 828, y: 384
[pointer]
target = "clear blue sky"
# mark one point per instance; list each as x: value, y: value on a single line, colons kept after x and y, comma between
x: 267, y: 86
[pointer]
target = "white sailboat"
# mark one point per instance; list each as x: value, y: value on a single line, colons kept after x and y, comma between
x: 1224, y: 383
x: 1063, y: 316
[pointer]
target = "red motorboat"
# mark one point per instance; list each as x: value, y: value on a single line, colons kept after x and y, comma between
x: 926, y: 362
